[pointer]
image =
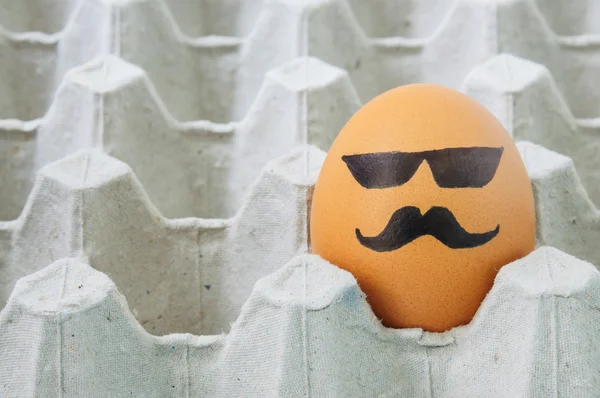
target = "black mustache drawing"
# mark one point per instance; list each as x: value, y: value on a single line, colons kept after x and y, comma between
x: 407, y: 224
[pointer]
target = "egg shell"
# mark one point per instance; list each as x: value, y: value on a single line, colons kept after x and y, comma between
x: 424, y: 283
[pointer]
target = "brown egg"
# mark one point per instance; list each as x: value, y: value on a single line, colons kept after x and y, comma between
x: 423, y: 196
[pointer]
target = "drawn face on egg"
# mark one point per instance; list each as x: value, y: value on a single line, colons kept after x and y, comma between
x: 423, y: 197
x: 471, y: 167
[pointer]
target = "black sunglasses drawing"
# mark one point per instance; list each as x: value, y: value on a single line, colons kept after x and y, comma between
x: 467, y: 167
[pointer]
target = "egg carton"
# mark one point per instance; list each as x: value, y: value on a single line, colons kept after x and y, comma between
x: 198, y: 98
x: 307, y: 330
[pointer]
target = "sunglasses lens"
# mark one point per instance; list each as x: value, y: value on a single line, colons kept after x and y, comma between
x: 382, y: 169
x: 464, y: 167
